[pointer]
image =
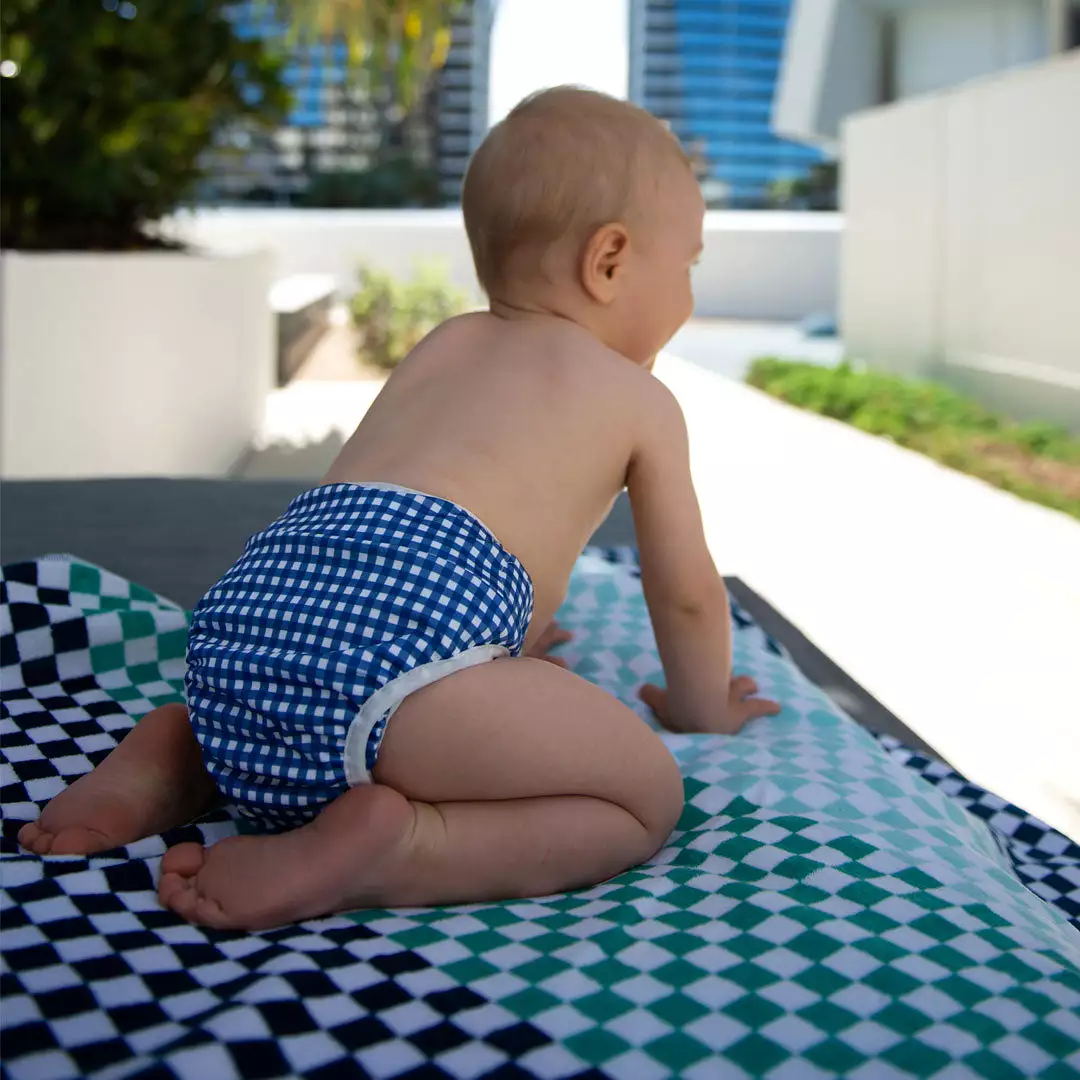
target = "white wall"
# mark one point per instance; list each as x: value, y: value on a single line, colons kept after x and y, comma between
x: 949, y: 42
x: 963, y: 227
x: 890, y: 275
x: 755, y: 265
x: 768, y: 265
x: 832, y: 66
x: 842, y: 56
x: 131, y: 364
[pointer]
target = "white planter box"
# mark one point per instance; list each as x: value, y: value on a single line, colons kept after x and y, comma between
x: 133, y: 364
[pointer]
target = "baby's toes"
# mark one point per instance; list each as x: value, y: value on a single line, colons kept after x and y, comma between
x: 177, y: 887
x: 208, y: 912
x: 182, y: 895
x: 178, y: 894
x: 184, y: 860
x: 34, y: 838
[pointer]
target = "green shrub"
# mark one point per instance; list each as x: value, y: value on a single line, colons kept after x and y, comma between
x: 113, y: 106
x: 1048, y: 441
x: 391, y: 316
x: 876, y: 402
x: 1037, y: 461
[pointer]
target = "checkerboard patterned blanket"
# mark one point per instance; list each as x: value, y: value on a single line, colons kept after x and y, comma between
x: 822, y: 910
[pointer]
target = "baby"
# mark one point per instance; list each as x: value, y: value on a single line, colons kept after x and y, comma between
x: 365, y: 683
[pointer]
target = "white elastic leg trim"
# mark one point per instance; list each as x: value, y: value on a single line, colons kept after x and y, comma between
x: 387, y: 698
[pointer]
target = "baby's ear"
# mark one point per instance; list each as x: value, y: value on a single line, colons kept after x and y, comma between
x: 603, y: 258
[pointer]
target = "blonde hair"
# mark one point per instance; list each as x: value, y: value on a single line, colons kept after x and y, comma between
x: 564, y: 162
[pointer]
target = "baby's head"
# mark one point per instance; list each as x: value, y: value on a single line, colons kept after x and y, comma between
x: 585, y: 206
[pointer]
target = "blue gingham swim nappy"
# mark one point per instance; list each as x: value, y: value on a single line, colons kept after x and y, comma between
x: 358, y: 595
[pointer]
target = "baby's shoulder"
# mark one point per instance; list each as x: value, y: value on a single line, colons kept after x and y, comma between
x: 536, y: 357
x: 597, y: 382
x: 599, y: 366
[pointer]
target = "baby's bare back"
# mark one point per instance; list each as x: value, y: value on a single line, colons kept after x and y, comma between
x: 530, y: 425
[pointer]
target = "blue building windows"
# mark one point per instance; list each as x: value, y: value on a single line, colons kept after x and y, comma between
x: 710, y: 68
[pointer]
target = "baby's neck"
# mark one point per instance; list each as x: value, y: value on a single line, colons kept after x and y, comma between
x: 538, y: 313
x: 520, y: 309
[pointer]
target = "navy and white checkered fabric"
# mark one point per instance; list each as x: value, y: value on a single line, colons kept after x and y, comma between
x: 1046, y: 861
x: 352, y: 587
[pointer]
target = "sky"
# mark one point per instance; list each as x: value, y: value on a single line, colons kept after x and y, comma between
x: 539, y: 43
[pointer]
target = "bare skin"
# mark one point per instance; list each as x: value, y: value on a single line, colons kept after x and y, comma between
x: 153, y: 781
x: 513, y: 778
x: 468, y: 804
x: 472, y: 802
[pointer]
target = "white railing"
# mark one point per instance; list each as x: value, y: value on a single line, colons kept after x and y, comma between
x: 767, y: 265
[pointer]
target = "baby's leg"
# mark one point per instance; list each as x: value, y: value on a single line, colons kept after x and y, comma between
x: 510, y: 779
x: 154, y: 780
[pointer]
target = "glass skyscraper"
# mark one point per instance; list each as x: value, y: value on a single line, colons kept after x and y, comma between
x: 710, y: 68
x: 336, y: 129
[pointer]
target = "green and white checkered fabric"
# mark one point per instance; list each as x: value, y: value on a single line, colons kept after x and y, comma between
x: 139, y: 641
x: 820, y: 912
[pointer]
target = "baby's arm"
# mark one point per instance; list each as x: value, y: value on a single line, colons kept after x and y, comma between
x: 686, y: 596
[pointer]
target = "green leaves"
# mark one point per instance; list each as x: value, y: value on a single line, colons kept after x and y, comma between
x: 103, y: 129
x: 400, y: 41
x: 874, y: 401
x: 1036, y: 461
x: 392, y: 316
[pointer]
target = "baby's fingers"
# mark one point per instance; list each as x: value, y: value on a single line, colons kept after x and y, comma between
x: 742, y: 686
x: 752, y: 708
x: 656, y: 698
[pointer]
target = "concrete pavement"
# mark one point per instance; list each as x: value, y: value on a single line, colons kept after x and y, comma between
x: 956, y: 605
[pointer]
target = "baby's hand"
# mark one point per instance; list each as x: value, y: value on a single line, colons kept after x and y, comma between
x: 552, y: 636
x: 741, y: 706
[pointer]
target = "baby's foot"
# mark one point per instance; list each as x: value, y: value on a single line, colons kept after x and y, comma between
x: 154, y: 780
x: 341, y: 861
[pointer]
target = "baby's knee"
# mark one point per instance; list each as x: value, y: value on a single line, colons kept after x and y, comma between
x: 661, y: 798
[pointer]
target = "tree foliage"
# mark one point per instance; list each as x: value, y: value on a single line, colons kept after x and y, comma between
x: 395, y: 42
x: 392, y: 315
x: 113, y: 104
